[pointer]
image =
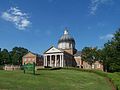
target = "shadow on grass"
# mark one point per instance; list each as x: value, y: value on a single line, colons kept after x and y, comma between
x: 31, y: 73
x: 37, y: 74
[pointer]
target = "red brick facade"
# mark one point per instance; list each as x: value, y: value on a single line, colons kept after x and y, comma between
x: 30, y: 58
x: 82, y: 64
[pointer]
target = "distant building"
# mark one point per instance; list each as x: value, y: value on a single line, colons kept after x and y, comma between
x: 32, y: 57
x: 66, y: 55
x: 85, y: 65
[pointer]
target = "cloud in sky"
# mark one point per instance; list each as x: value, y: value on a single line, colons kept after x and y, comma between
x: 17, y: 17
x: 106, y: 37
x: 95, y: 4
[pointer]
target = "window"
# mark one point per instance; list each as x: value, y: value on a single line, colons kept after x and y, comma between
x: 25, y: 59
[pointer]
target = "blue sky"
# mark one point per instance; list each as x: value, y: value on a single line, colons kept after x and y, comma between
x: 38, y: 24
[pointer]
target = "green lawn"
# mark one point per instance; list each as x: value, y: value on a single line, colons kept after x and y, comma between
x: 115, y: 77
x: 52, y: 80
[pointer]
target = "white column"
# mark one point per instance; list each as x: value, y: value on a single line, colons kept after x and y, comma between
x: 55, y: 60
x: 60, y: 60
x: 80, y: 63
x: 46, y: 60
x: 50, y: 61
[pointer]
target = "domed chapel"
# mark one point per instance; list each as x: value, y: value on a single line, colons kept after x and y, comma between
x: 64, y: 55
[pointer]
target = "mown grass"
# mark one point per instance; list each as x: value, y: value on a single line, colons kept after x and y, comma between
x: 52, y: 80
x: 115, y: 77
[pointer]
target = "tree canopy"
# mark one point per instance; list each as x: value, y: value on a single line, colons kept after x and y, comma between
x: 111, y: 53
x: 12, y: 57
x: 91, y: 54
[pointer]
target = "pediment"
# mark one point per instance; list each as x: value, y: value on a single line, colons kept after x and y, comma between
x: 53, y: 50
x: 29, y: 55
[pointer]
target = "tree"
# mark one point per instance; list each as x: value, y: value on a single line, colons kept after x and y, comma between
x: 111, y: 52
x: 5, y: 57
x: 16, y: 55
x: 90, y: 55
x: 0, y: 57
x: 12, y: 57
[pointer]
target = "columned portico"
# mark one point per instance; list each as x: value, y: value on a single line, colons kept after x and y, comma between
x: 53, y: 60
x: 54, y: 57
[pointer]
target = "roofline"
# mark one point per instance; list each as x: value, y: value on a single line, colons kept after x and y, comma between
x: 50, y: 48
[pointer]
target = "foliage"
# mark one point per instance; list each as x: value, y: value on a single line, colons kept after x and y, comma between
x: 12, y: 57
x: 111, y: 53
x: 46, y: 68
x: 16, y: 55
x: 4, y: 57
x: 0, y: 57
x: 90, y: 54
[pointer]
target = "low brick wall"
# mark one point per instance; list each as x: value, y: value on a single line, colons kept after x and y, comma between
x: 11, y: 67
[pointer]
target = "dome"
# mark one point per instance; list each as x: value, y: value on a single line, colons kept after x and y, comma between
x: 66, y: 38
x: 66, y: 41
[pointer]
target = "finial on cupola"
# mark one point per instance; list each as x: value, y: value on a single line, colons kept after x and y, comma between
x: 66, y: 31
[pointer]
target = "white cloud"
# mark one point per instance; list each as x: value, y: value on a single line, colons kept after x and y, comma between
x: 106, y: 37
x: 95, y: 4
x: 17, y: 17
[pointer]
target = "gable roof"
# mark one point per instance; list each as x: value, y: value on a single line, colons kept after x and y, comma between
x: 29, y: 54
x: 79, y: 53
x: 52, y: 49
x: 32, y: 54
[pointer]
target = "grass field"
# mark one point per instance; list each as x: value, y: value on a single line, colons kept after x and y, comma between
x: 52, y: 80
x: 115, y: 77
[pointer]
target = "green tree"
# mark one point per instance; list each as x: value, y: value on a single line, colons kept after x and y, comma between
x: 5, y: 57
x: 0, y: 57
x: 111, y: 53
x: 16, y: 55
x: 90, y: 54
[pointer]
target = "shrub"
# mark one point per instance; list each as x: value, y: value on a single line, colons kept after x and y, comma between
x: 58, y: 68
x: 1, y: 67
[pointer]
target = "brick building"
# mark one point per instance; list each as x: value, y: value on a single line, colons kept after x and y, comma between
x: 67, y: 55
x: 32, y: 57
